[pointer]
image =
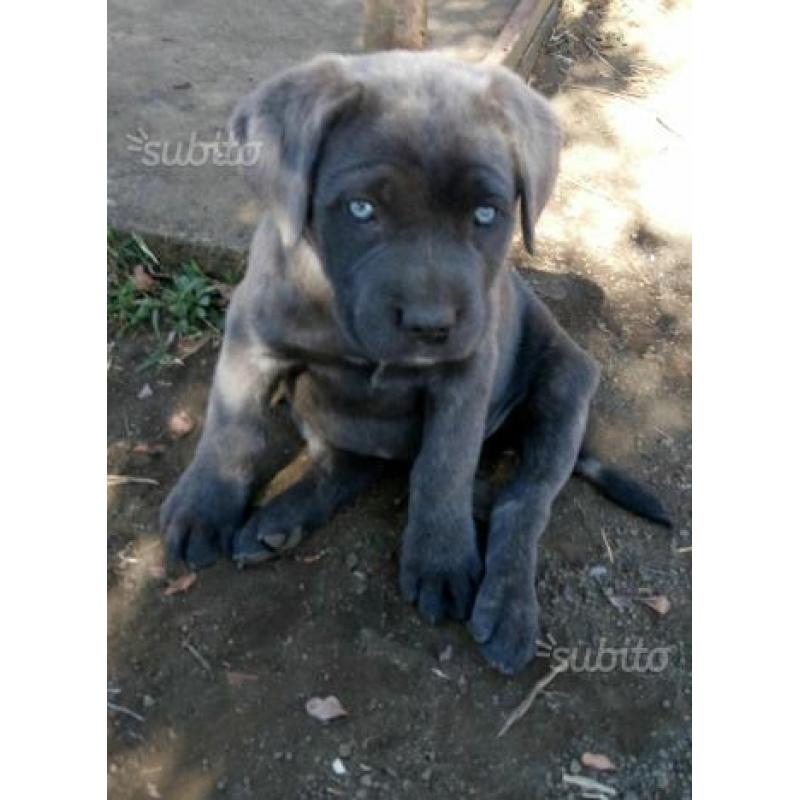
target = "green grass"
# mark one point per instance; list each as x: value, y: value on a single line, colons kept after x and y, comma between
x: 181, y: 303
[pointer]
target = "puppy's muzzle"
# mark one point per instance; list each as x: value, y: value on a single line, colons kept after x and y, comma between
x: 428, y: 324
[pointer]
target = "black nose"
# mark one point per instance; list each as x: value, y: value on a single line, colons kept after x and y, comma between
x: 428, y: 324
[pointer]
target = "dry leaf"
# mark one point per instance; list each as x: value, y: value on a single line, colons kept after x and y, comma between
x: 180, y: 584
x: 658, y: 602
x: 147, y: 449
x: 240, y: 678
x: 181, y: 424
x: 325, y: 709
x: 143, y: 280
x: 597, y: 761
x: 189, y: 345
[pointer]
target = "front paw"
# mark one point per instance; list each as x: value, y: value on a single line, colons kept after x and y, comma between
x: 201, y: 515
x: 268, y: 533
x: 440, y: 568
x: 505, y: 619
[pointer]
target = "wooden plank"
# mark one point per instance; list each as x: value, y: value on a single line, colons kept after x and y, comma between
x: 521, y: 38
x: 545, y: 28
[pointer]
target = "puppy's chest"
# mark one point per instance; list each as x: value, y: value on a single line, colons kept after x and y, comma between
x: 363, y: 389
x: 360, y: 407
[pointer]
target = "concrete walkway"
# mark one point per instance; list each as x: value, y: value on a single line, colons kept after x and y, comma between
x: 176, y: 69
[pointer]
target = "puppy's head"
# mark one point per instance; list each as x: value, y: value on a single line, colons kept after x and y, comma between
x: 404, y: 171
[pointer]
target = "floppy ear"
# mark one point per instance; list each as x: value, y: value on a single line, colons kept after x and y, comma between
x: 282, y: 126
x: 536, y: 140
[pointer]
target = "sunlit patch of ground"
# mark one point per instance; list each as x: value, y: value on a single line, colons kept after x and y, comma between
x: 624, y: 102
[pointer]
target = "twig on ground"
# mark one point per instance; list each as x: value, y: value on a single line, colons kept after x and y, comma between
x: 668, y: 128
x: 585, y: 521
x: 589, y: 189
x: 597, y: 54
x: 608, y: 546
x: 116, y: 480
x: 684, y: 549
x: 590, y: 785
x: 196, y: 653
x: 124, y: 710
x: 525, y: 705
x: 636, y: 99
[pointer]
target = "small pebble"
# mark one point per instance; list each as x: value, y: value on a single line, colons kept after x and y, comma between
x: 148, y: 701
x: 338, y: 766
x: 366, y: 780
x: 574, y: 766
x: 351, y: 561
x: 446, y: 654
x: 426, y: 775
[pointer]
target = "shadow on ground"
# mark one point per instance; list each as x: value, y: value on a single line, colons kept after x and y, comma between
x: 218, y: 676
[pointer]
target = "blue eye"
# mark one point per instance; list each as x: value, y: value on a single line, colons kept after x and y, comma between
x: 362, y: 210
x: 484, y: 215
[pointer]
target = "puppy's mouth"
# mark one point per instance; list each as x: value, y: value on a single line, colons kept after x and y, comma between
x: 399, y: 351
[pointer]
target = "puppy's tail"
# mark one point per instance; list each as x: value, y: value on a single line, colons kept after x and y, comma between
x: 621, y: 489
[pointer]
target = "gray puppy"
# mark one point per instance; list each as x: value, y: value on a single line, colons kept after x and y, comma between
x: 377, y: 298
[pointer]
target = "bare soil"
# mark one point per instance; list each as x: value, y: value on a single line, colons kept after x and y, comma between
x: 218, y: 676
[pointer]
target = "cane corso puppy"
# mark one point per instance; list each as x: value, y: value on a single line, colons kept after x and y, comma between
x: 378, y: 300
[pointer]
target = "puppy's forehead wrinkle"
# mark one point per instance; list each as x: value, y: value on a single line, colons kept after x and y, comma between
x: 400, y: 152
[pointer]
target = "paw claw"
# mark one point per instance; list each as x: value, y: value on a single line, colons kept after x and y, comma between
x: 273, y: 540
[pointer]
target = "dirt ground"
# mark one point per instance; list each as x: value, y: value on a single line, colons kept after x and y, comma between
x: 217, y: 677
